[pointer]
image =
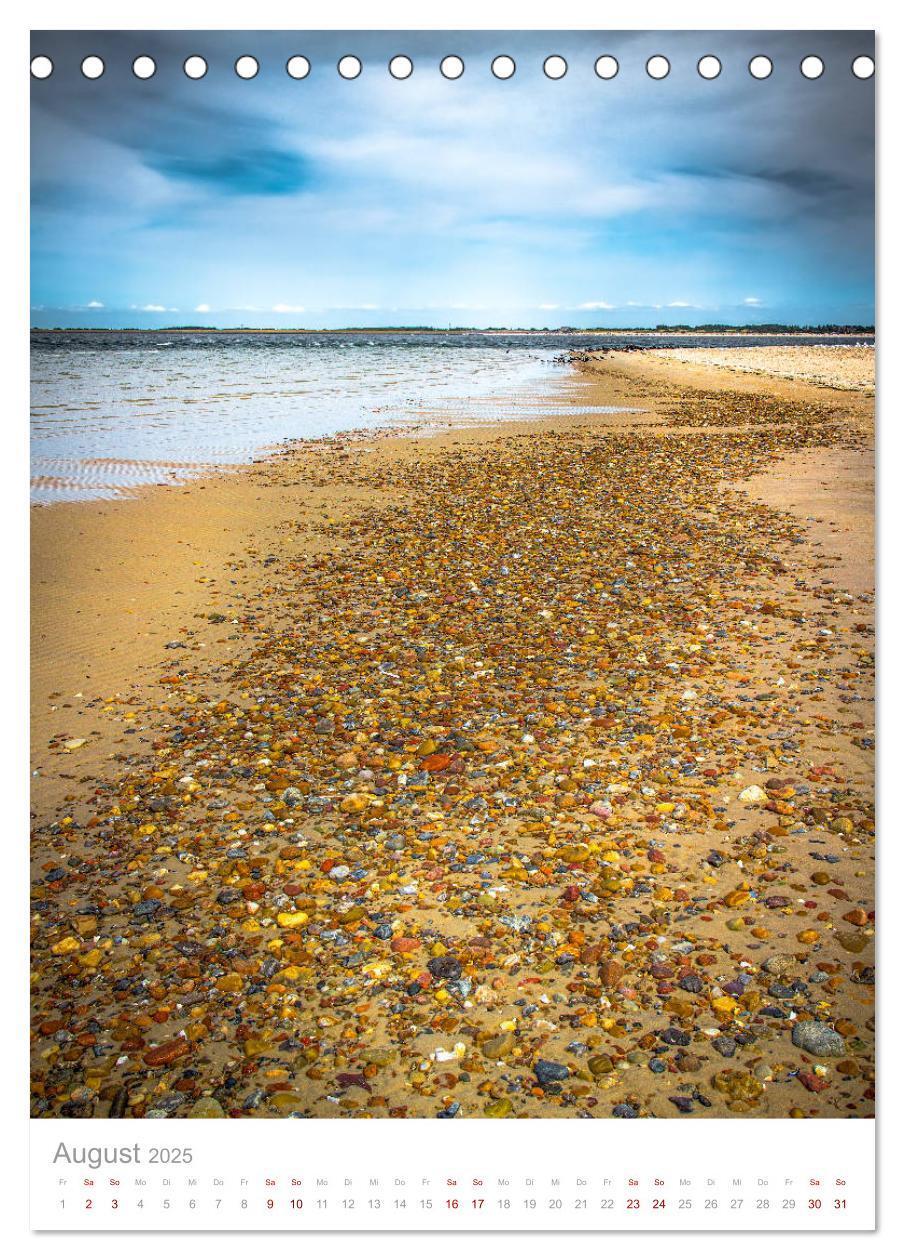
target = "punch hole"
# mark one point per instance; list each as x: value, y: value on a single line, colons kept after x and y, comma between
x: 144, y: 67
x: 812, y: 67
x: 247, y: 67
x: 298, y: 67
x: 709, y: 67
x: 41, y: 67
x: 760, y: 67
x: 503, y: 67
x: 452, y: 67
x: 606, y: 67
x: 863, y: 67
x: 657, y: 67
x: 400, y: 67
x: 349, y: 67
x: 555, y: 67
x: 92, y: 67
x: 195, y: 67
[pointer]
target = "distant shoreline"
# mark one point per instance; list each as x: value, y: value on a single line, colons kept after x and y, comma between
x: 701, y: 330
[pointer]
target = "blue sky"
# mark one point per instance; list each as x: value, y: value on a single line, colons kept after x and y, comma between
x: 530, y: 202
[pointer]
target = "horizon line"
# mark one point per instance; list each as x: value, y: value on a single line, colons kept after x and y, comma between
x: 460, y: 328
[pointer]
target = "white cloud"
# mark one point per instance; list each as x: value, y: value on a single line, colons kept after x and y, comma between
x: 202, y: 308
x: 752, y: 301
x: 95, y: 306
x: 596, y: 306
x: 681, y: 304
x: 282, y: 308
x: 151, y: 306
x: 548, y: 306
x: 556, y: 175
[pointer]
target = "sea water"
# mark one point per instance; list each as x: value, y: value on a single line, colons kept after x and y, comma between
x: 113, y: 411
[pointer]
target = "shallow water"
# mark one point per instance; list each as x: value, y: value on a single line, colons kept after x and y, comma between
x: 112, y: 411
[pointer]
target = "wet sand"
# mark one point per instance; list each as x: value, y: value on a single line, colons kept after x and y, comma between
x: 521, y: 769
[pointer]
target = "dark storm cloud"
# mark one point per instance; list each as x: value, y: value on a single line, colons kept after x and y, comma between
x: 252, y: 172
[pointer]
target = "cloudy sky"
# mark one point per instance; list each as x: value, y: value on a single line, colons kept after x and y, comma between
x: 327, y: 202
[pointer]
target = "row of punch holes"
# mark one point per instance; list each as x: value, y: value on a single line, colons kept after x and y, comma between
x: 453, y: 67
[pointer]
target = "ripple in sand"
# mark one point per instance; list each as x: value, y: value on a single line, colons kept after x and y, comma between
x: 73, y: 480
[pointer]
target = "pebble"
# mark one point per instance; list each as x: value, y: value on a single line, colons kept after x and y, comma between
x: 446, y: 967
x: 206, y: 1109
x: 726, y: 1046
x: 753, y: 794
x: 498, y: 1047
x: 818, y: 1039
x: 743, y: 1088
x: 600, y: 1065
x: 547, y: 1072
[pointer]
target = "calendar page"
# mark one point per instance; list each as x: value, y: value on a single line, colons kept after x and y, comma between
x: 452, y: 597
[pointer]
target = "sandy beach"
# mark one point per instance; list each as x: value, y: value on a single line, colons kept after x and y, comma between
x: 836, y: 367
x: 514, y: 770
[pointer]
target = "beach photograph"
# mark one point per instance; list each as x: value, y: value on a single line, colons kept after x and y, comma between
x: 452, y: 575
